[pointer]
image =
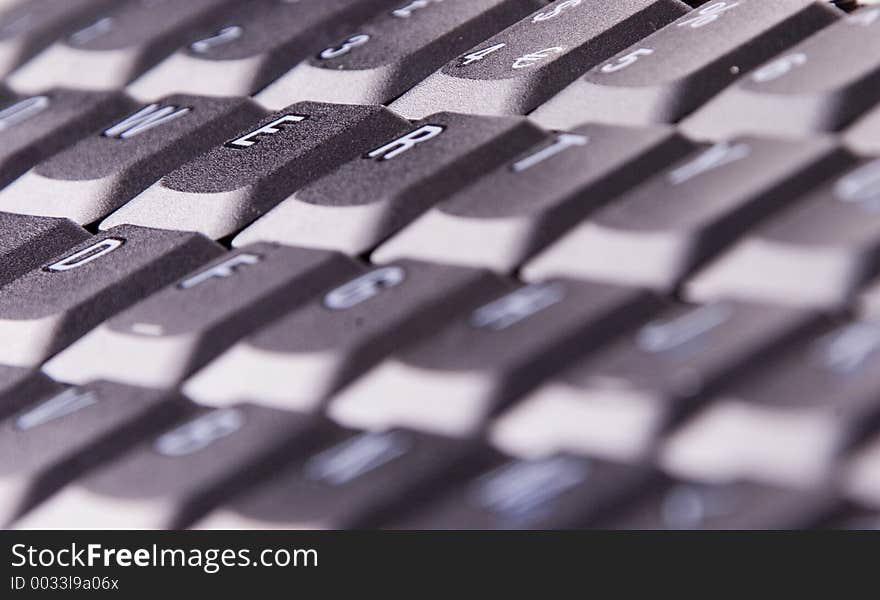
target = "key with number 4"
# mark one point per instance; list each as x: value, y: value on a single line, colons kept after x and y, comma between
x: 667, y: 75
x: 521, y: 67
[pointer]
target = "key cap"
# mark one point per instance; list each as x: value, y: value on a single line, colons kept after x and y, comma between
x: 452, y: 382
x: 663, y: 230
x: 370, y: 197
x: 100, y: 173
x: 63, y: 435
x: 524, y: 65
x: 667, y: 75
x: 819, y: 252
x: 221, y: 191
x: 36, y: 127
x: 864, y: 135
x: 520, y: 207
x: 172, y: 479
x: 254, y: 44
x: 25, y: 242
x: 618, y: 401
x: 164, y: 338
x: 297, y: 361
x: 350, y: 482
x: 379, y: 60
x: 557, y: 492
x: 19, y: 386
x: 683, y: 505
x: 791, y: 421
x: 46, y: 309
x: 28, y: 27
x: 819, y: 85
x: 116, y: 47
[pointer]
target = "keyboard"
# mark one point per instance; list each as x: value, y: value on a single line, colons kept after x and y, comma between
x: 440, y: 264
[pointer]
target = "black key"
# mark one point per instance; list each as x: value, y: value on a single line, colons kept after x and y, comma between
x: 117, y: 46
x: 514, y: 211
x: 234, y: 183
x: 25, y: 242
x: 661, y: 231
x: 791, y: 421
x: 379, y: 60
x: 351, y: 481
x: 299, y: 360
x: 36, y: 127
x: 252, y: 45
x: 19, y: 386
x: 864, y: 135
x: 819, y: 252
x: 667, y: 75
x: 100, y: 173
x: 63, y: 434
x: 854, y: 518
x: 820, y: 85
x: 484, y: 359
x: 365, y: 200
x: 556, y: 492
x: 164, y: 338
x: 617, y: 401
x: 524, y: 65
x: 46, y: 309
x: 30, y: 26
x: 171, y: 480
x: 681, y: 505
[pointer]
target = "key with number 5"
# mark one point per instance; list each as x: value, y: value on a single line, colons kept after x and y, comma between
x: 528, y: 62
x: 672, y: 72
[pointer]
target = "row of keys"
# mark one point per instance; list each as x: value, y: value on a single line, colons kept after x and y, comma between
x: 122, y: 456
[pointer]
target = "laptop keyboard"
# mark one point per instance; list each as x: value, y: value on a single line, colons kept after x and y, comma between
x: 440, y: 264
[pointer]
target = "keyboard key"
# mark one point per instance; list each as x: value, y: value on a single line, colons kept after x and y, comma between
x: 255, y: 43
x: 864, y: 135
x: 36, y: 127
x: 557, y: 492
x: 617, y: 401
x: 221, y: 191
x: 51, y: 306
x: 352, y: 481
x: 370, y: 197
x: 100, y: 173
x: 661, y: 231
x: 791, y: 421
x: 62, y: 435
x: 819, y: 85
x: 172, y: 479
x: 116, y: 47
x: 164, y: 338
x: 681, y: 505
x: 819, y: 252
x: 452, y: 382
x: 25, y: 242
x: 524, y: 65
x: 667, y: 75
x: 18, y: 386
x: 376, y: 62
x: 28, y: 27
x: 514, y: 211
x: 297, y: 361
